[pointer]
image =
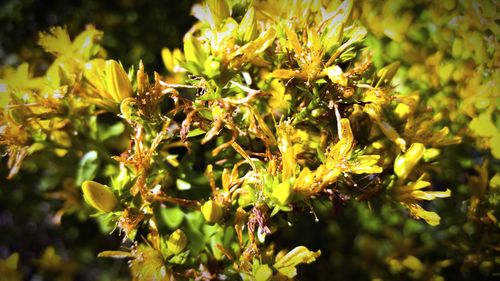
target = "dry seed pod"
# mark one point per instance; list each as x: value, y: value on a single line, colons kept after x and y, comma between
x: 99, y: 196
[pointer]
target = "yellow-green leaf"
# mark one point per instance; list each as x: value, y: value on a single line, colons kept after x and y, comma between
x: 212, y: 211
x: 386, y: 73
x: 283, y: 193
x: 483, y: 125
x: 263, y: 273
x: 177, y: 242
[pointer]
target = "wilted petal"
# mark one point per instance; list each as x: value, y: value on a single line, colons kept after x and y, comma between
x: 430, y: 195
x: 405, y: 163
x: 430, y: 217
x: 366, y: 164
x: 247, y: 30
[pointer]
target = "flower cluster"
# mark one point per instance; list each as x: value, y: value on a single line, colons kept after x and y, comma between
x: 271, y: 107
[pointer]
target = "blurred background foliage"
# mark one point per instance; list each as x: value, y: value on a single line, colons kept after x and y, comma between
x: 133, y: 29
x: 448, y: 52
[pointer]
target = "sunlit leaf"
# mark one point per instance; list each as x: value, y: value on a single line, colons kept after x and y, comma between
x: 88, y: 166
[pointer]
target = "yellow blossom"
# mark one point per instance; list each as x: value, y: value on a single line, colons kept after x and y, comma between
x: 409, y: 195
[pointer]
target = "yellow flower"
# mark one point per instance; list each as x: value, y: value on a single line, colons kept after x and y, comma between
x: 19, y: 83
x: 338, y: 160
x: 212, y: 12
x: 409, y: 195
x: 58, y: 42
x: 413, y: 192
x: 70, y: 55
x: 339, y: 157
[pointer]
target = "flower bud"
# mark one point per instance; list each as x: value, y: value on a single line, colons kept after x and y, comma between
x: 99, y: 196
x: 212, y: 211
x: 177, y: 241
x: 247, y: 30
x: 388, y: 72
x: 142, y: 79
x: 219, y: 9
x: 117, y: 82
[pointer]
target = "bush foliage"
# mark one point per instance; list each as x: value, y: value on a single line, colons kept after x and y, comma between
x: 283, y: 140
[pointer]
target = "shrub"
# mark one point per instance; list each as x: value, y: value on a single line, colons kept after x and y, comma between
x: 275, y: 128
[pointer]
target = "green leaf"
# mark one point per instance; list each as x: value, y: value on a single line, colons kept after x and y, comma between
x: 196, y: 132
x: 87, y: 168
x: 182, y: 184
x: 173, y: 217
x: 283, y: 193
x: 179, y: 258
x: 109, y: 132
